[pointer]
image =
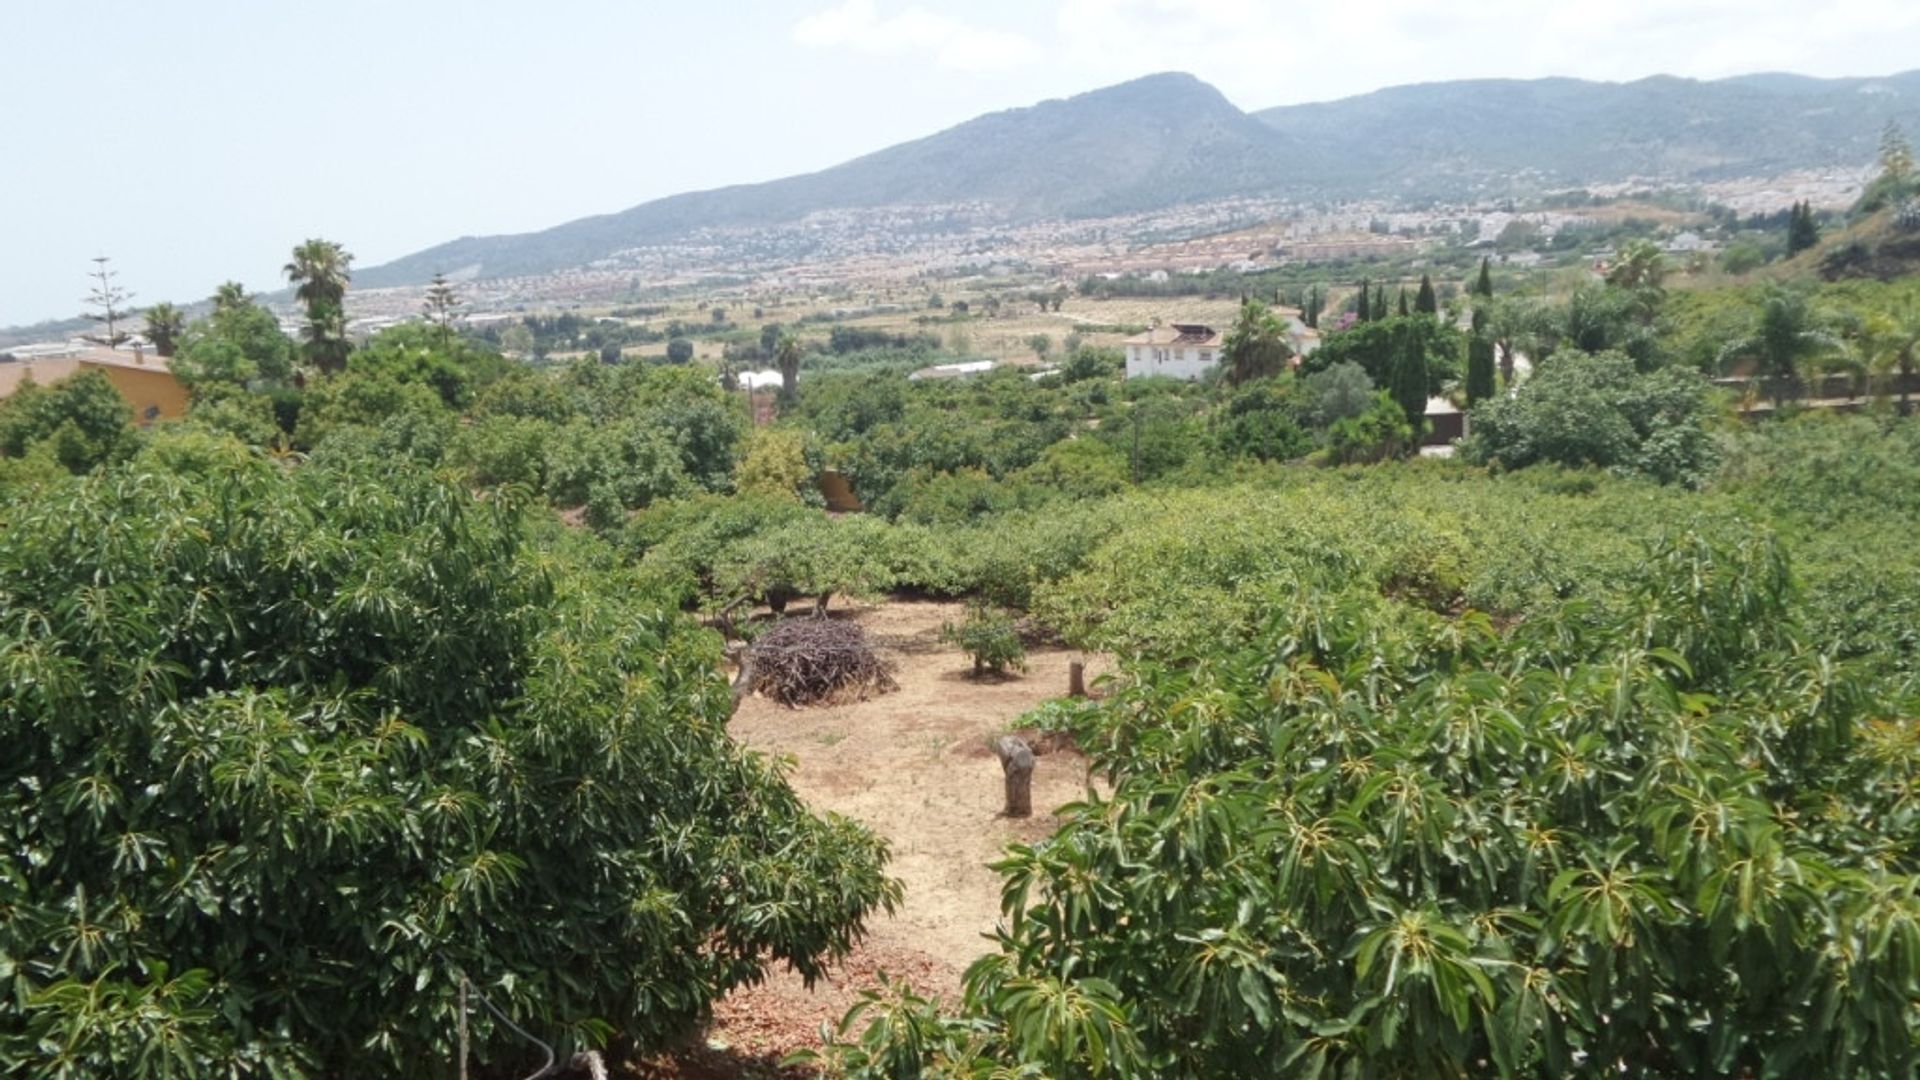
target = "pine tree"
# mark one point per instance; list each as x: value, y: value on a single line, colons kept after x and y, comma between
x: 1427, y: 302
x: 109, y: 302
x: 439, y: 305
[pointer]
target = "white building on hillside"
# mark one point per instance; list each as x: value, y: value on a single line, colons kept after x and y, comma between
x: 1180, y: 351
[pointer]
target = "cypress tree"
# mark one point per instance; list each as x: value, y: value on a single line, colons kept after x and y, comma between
x: 1802, y: 233
x: 1407, y: 380
x: 1380, y: 301
x: 1427, y: 302
x: 1403, y: 301
x: 1480, y: 382
x: 1360, y: 312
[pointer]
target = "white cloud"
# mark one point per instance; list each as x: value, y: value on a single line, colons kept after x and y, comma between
x: 858, y: 25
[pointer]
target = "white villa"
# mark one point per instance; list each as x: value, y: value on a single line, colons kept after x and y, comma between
x: 1180, y: 351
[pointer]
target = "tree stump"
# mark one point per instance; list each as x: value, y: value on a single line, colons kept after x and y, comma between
x: 1077, y: 679
x: 743, y: 682
x: 1016, y: 760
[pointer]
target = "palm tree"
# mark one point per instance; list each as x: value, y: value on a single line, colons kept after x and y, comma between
x: 1257, y: 346
x: 325, y: 340
x: 1893, y: 345
x: 787, y: 355
x: 319, y: 275
x: 1642, y: 271
x: 164, y: 326
x: 1789, y: 337
x: 230, y: 295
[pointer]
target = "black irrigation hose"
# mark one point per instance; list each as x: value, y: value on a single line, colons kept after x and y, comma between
x: 545, y: 1070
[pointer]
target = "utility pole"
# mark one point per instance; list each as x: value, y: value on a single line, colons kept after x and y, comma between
x: 1136, y: 444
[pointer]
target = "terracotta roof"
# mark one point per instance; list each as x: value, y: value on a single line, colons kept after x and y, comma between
x: 1205, y: 337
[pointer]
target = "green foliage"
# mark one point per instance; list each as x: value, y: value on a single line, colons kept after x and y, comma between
x: 238, y: 345
x: 990, y: 637
x: 1662, y: 840
x: 1335, y: 393
x: 1257, y: 346
x: 249, y: 417
x: 1378, y: 434
x: 613, y: 467
x: 779, y: 461
x: 1385, y: 346
x: 501, y: 450
x: 1790, y: 335
x: 1581, y: 410
x: 1262, y: 422
x: 1802, y: 231
x: 81, y: 422
x: 1480, y: 368
x: 288, y: 751
x: 422, y: 353
x: 1077, y: 468
x: 822, y: 557
x: 1742, y: 258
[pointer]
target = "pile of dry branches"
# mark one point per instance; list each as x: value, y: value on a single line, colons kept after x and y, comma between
x: 807, y: 661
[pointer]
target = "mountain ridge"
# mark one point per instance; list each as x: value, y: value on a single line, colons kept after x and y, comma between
x: 1169, y: 139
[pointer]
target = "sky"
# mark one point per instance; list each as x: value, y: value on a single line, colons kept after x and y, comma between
x: 196, y: 141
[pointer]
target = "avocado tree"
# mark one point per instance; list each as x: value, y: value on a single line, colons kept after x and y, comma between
x: 291, y: 754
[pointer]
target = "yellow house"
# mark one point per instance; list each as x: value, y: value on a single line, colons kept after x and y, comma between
x: 151, y: 390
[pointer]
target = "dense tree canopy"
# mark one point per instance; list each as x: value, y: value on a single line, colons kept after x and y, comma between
x: 289, y: 753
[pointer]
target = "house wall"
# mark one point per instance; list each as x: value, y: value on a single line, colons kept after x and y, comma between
x: 1180, y: 363
x: 154, y: 394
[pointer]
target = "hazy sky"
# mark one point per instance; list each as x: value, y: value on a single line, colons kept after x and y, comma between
x: 199, y: 140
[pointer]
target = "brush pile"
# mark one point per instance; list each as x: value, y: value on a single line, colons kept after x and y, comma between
x: 812, y: 661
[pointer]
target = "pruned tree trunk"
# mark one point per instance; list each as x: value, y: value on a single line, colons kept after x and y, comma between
x: 1077, y: 679
x: 1016, y: 761
x: 742, y: 682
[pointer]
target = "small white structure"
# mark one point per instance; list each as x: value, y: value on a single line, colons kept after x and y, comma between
x: 1180, y: 351
x: 953, y: 371
x: 759, y: 380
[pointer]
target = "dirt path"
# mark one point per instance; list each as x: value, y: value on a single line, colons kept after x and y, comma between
x: 914, y: 766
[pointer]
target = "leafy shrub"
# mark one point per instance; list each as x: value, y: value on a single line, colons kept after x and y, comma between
x: 990, y: 637
x: 1077, y: 468
x: 1336, y: 393
x: 503, y: 449
x: 1669, y: 841
x: 1261, y: 422
x: 779, y: 461
x: 631, y: 464
x: 82, y: 421
x: 287, y: 752
x: 1379, y: 434
x: 1597, y: 410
